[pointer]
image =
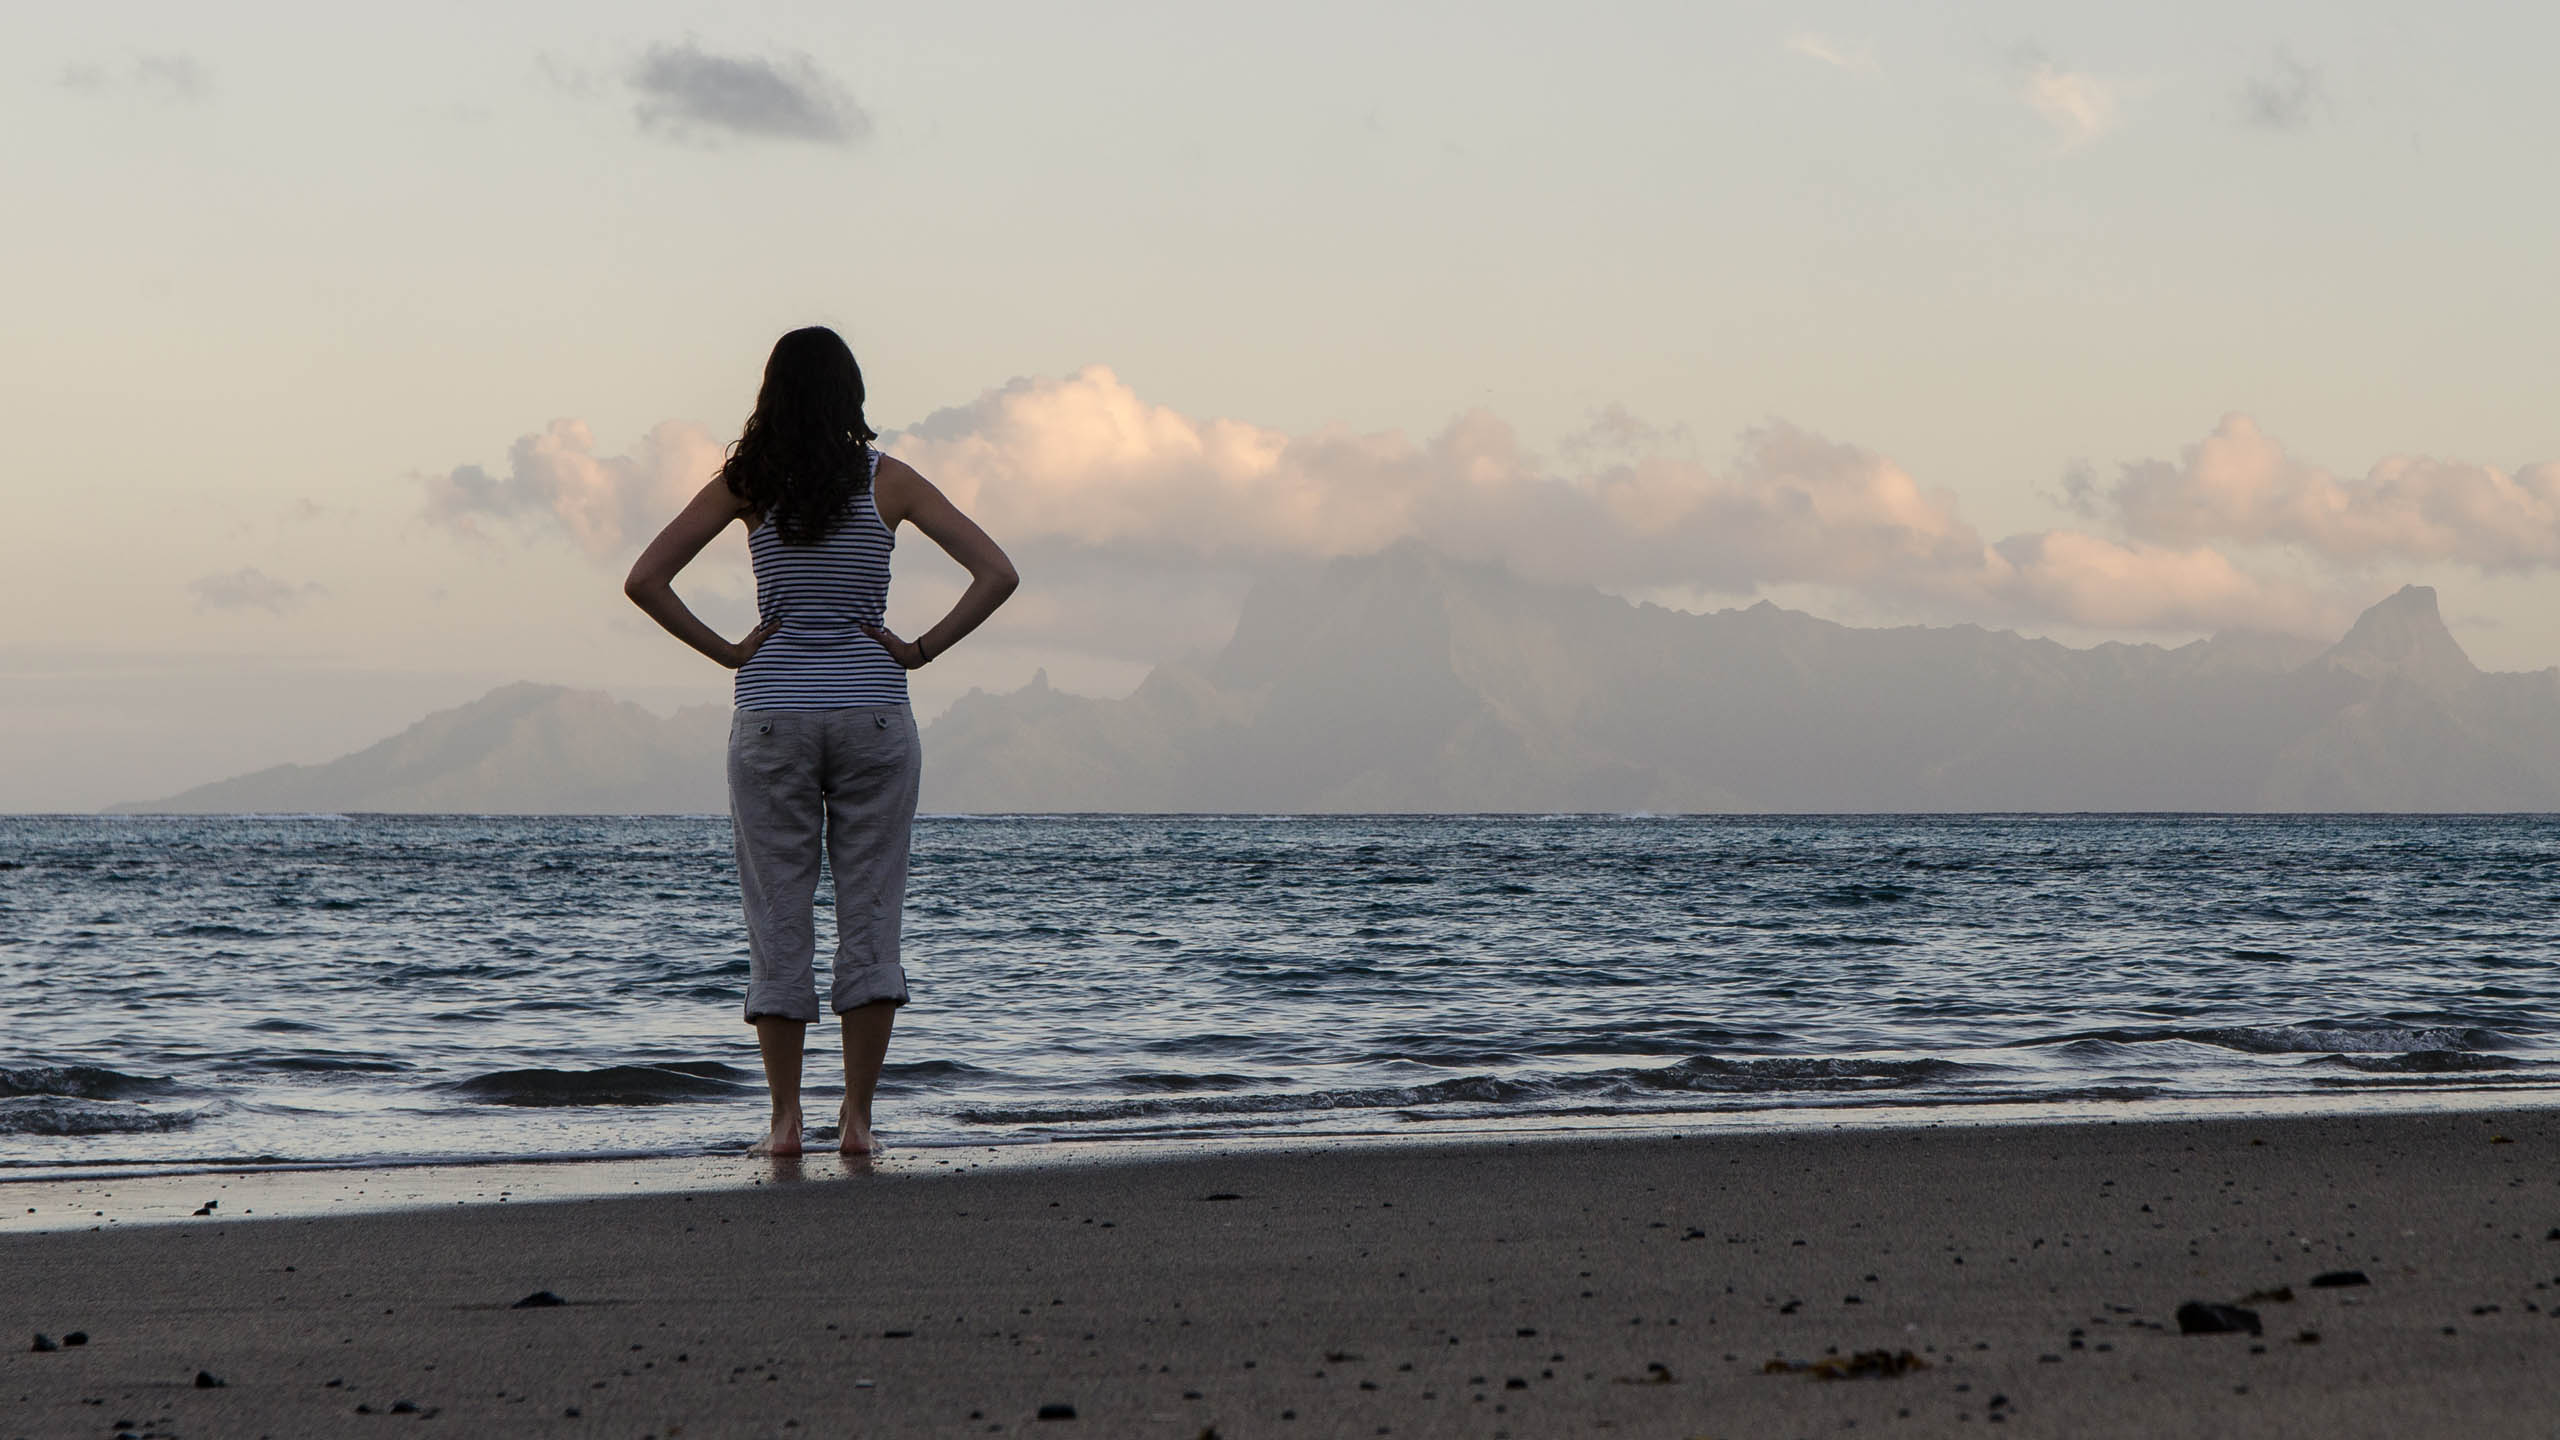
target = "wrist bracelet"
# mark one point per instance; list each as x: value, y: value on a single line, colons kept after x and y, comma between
x: 922, y: 659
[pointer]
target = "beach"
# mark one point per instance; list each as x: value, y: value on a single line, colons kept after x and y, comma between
x: 1621, y: 1285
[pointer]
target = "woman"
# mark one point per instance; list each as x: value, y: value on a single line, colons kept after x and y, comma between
x: 822, y: 749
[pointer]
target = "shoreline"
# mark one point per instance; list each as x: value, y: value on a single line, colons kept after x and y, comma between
x: 152, y: 1193
x: 1613, y: 1285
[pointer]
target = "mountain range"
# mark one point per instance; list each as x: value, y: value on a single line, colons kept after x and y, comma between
x: 1406, y: 681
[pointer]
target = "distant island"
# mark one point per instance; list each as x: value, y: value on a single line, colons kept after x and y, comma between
x: 1407, y: 682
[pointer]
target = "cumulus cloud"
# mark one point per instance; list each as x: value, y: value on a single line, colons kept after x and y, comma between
x: 2284, y: 96
x: 1815, y: 47
x: 249, y: 589
x: 606, y: 505
x: 2240, y: 485
x: 2078, y: 105
x: 172, y: 77
x: 1084, y: 463
x: 687, y: 92
x: 1142, y: 524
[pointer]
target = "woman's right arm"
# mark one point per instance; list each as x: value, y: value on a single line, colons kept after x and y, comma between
x: 651, y: 584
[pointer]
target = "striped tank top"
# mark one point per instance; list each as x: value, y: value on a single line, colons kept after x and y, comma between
x: 820, y: 659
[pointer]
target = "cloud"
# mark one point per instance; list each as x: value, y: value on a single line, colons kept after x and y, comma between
x: 2239, y: 485
x: 174, y: 78
x: 250, y: 590
x: 2284, y: 96
x: 1814, y: 47
x: 608, y: 505
x: 2078, y: 105
x: 1141, y: 524
x: 1082, y: 464
x: 686, y: 92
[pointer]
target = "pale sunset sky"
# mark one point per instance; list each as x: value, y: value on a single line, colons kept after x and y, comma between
x: 352, y: 352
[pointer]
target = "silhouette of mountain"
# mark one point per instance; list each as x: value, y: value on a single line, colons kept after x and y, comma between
x: 519, y: 750
x: 1408, y: 682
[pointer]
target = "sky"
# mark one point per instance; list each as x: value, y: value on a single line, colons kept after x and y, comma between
x: 352, y: 354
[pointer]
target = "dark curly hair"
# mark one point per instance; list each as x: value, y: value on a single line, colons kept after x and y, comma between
x: 802, y: 457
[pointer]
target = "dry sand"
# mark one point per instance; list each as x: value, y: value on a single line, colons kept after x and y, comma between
x: 1618, y: 1286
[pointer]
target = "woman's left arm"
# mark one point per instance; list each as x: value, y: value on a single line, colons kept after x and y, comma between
x: 651, y: 584
x: 902, y: 494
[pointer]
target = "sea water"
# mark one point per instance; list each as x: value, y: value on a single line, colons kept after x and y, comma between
x: 216, y: 991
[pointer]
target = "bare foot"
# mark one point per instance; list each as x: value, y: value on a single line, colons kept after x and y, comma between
x: 784, y: 1139
x: 857, y: 1138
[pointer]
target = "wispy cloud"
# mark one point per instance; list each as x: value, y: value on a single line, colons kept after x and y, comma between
x: 1813, y: 46
x: 2286, y: 95
x: 250, y: 589
x: 2078, y: 105
x: 687, y: 92
x: 176, y: 78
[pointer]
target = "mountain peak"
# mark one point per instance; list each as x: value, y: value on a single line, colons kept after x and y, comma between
x: 2404, y: 635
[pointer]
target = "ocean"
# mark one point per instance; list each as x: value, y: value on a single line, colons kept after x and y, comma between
x: 211, y: 992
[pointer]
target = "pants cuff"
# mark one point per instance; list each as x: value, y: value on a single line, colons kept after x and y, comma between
x: 781, y: 1004
x: 868, y: 987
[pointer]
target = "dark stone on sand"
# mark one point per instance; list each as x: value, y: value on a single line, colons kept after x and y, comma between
x: 538, y: 1300
x: 44, y: 1344
x: 76, y: 1337
x: 2198, y: 1317
x: 1865, y: 1364
x: 2333, y: 1279
x: 404, y: 1407
x: 207, y: 1380
x: 897, y: 1334
x: 1231, y: 1195
x: 1515, y: 1383
x: 1057, y: 1412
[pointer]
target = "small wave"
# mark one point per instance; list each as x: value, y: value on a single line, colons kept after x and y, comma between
x: 931, y: 1070
x: 2354, y: 1038
x: 1706, y: 1072
x: 2424, y: 1062
x: 63, y: 1115
x: 2096, y: 1092
x: 316, y: 1063
x: 1176, y: 1081
x: 84, y: 1082
x: 614, y: 1085
x: 1703, y: 1074
x: 278, y: 1025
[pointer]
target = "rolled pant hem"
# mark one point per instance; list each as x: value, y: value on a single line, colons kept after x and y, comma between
x: 852, y: 992
x: 782, y: 1007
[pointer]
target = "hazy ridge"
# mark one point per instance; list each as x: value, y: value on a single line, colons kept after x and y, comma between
x: 1407, y: 682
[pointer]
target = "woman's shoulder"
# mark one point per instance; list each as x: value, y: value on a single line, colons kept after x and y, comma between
x: 893, y: 487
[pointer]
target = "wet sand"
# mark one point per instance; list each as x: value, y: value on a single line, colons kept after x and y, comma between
x: 1618, y: 1286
